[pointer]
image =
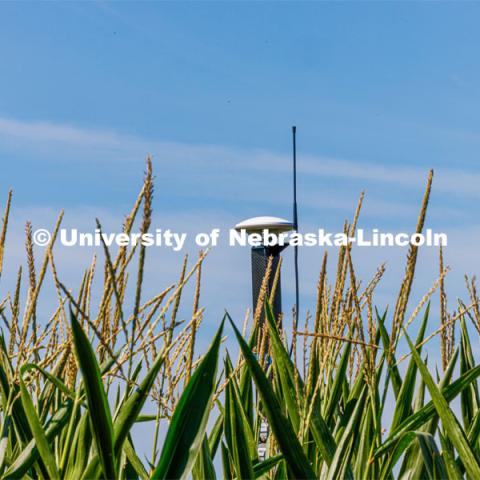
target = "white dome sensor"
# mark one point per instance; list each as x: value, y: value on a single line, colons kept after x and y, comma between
x: 258, y: 224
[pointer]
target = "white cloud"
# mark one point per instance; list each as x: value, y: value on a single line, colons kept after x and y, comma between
x: 68, y: 143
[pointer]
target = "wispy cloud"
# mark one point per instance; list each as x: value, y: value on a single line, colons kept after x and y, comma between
x: 52, y: 136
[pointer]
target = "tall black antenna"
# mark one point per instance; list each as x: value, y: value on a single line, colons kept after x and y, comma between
x: 295, y: 225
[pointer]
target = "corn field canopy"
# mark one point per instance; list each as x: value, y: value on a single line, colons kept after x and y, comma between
x: 76, y: 388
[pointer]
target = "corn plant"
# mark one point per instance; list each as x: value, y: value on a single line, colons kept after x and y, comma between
x: 350, y: 394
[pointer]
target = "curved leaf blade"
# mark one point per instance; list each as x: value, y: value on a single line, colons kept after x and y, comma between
x: 187, y: 427
x: 98, y: 408
x: 282, y: 428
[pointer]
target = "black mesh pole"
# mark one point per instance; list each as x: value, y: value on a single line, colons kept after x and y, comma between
x: 260, y: 257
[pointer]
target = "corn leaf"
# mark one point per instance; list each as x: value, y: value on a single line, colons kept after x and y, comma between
x: 187, y: 427
x: 282, y: 428
x: 99, y: 411
x: 449, y: 421
x: 38, y: 433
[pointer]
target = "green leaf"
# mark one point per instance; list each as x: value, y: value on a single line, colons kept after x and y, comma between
x: 187, y: 427
x: 426, y: 413
x: 135, y: 462
x: 403, y: 405
x: 78, y: 460
x: 204, y: 469
x: 455, y: 433
x: 286, y: 372
x: 389, y: 355
x: 24, y: 461
x: 336, y: 391
x: 469, y: 397
x: 18, y: 412
x: 344, y: 452
x: 262, y: 468
x: 99, y: 411
x: 52, y: 378
x: 367, y: 433
x: 432, y: 459
x: 237, y: 431
x: 215, y: 435
x: 416, y: 464
x: 129, y: 412
x: 4, y: 440
x: 246, y: 387
x: 226, y: 461
x: 38, y: 433
x: 453, y: 472
x: 281, y: 426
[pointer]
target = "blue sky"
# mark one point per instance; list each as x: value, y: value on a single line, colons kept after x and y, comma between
x: 380, y: 93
